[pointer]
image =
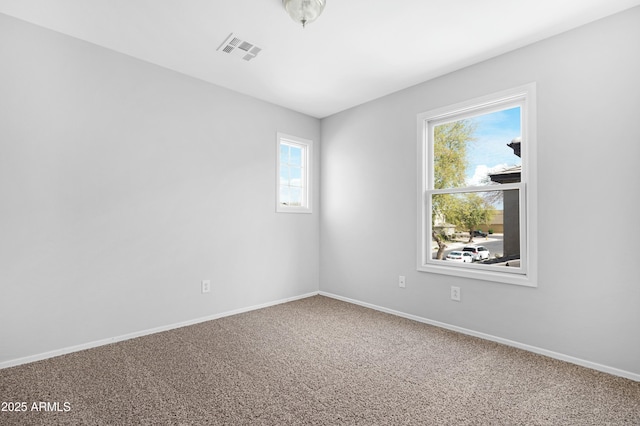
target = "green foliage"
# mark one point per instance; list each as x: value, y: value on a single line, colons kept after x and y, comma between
x: 449, y: 161
x: 450, y: 153
x: 469, y: 211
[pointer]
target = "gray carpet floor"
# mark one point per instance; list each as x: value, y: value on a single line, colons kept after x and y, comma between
x: 314, y: 361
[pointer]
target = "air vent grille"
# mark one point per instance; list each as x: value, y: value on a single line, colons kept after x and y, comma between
x: 238, y: 47
x: 245, y: 46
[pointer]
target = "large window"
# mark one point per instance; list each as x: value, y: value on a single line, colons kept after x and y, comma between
x: 293, y: 178
x: 477, y: 188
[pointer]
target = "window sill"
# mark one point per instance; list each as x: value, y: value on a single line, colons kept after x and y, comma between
x: 281, y: 209
x: 462, y: 270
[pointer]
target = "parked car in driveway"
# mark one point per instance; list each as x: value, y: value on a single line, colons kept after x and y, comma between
x: 479, y: 233
x: 478, y: 252
x: 460, y: 256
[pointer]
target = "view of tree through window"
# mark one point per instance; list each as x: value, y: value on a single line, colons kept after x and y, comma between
x: 473, y: 159
x: 477, y: 197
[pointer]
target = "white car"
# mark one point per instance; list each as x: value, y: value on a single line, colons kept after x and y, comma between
x: 460, y: 256
x: 478, y: 252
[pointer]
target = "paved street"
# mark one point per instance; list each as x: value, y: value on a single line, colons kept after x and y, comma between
x: 493, y: 243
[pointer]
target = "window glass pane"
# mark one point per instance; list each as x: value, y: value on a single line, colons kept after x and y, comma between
x: 295, y: 195
x: 284, y: 153
x: 295, y: 176
x: 284, y: 175
x: 284, y: 195
x: 487, y: 221
x: 295, y: 157
x: 477, y: 151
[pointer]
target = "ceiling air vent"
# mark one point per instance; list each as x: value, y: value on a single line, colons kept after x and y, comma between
x: 237, y: 47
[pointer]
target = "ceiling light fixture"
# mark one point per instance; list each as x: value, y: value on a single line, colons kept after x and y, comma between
x: 304, y: 11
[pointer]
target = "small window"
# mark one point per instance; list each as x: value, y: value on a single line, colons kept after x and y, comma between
x: 478, y: 188
x: 294, y: 172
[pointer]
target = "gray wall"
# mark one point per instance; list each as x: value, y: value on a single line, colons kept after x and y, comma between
x: 123, y: 185
x: 587, y: 302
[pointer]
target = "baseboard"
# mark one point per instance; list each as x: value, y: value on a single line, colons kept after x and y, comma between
x: 102, y: 342
x: 534, y: 349
x: 529, y: 348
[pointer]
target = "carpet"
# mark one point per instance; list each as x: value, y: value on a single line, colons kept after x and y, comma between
x: 314, y: 361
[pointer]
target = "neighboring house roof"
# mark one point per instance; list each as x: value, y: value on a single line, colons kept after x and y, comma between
x: 509, y: 175
x: 515, y: 145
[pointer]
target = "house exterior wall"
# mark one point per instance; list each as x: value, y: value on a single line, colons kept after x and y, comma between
x: 511, y: 225
x: 496, y: 224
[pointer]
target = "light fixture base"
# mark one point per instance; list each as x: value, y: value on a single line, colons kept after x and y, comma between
x: 304, y: 11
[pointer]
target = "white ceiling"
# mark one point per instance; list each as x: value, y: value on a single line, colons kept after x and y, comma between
x: 358, y: 50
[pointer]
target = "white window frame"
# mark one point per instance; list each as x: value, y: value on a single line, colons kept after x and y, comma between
x: 526, y: 274
x: 307, y: 154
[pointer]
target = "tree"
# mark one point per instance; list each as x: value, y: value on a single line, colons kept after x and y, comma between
x: 469, y: 211
x: 450, y: 165
x: 441, y: 203
x: 450, y: 153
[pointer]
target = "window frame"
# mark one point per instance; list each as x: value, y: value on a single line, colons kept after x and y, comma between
x: 306, y: 146
x: 526, y: 274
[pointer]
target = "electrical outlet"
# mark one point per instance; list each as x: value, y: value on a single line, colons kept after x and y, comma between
x: 401, y: 282
x: 206, y: 286
x: 455, y: 293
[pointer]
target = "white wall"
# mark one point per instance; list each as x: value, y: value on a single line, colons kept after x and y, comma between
x: 587, y: 303
x: 123, y: 185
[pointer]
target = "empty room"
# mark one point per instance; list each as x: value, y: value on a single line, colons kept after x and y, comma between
x: 283, y: 212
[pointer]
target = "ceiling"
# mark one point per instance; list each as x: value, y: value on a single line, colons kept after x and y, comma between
x: 358, y: 50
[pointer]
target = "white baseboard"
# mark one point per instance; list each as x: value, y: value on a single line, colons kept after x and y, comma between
x: 507, y: 342
x: 534, y: 349
x: 102, y: 342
